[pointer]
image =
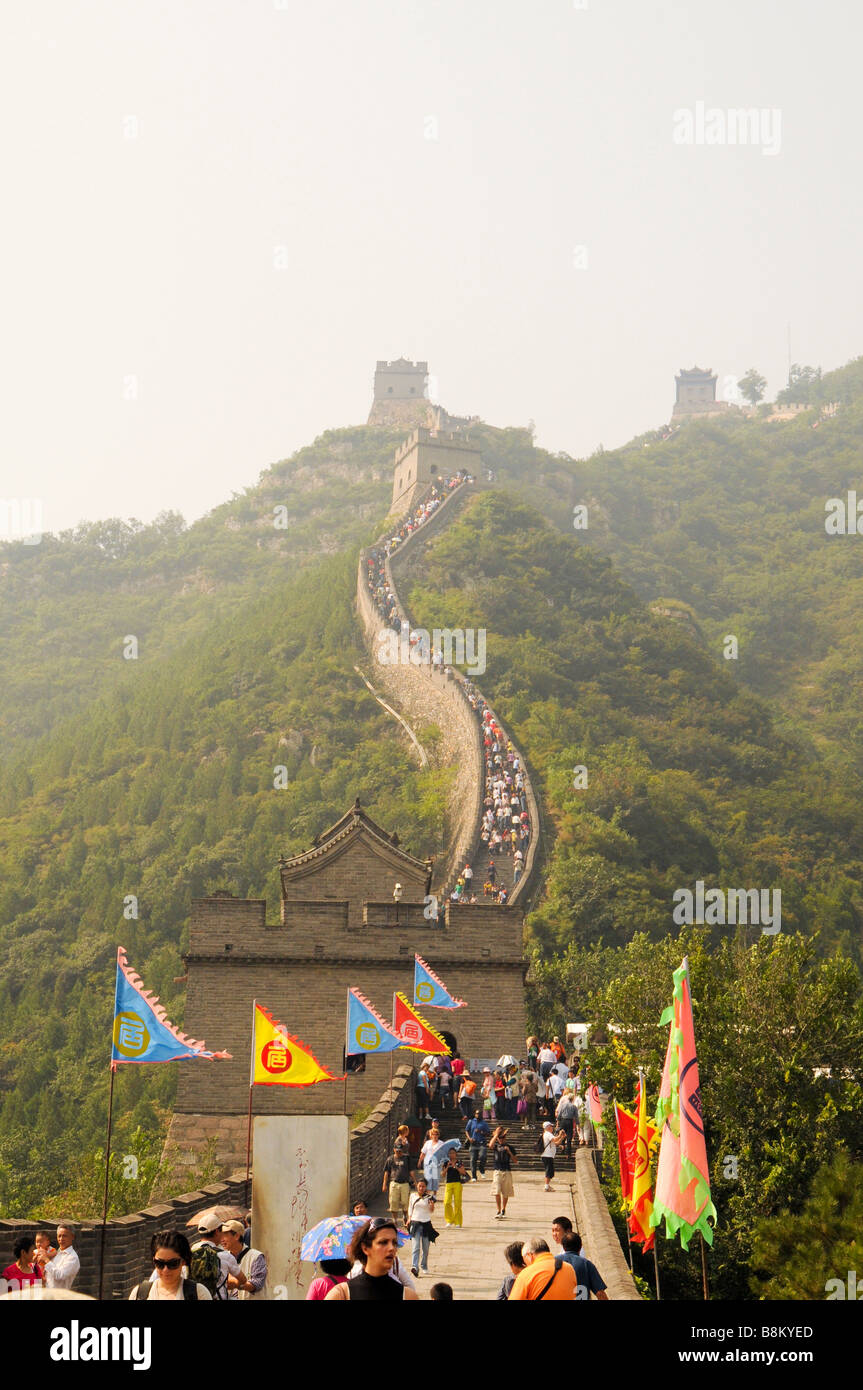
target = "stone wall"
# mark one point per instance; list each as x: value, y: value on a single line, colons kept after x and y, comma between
x: 424, y: 697
x: 127, y: 1238
x: 597, y: 1231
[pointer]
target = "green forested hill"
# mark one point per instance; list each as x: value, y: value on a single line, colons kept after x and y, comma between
x: 727, y: 516
x: 688, y: 776
x: 67, y: 604
x: 154, y: 777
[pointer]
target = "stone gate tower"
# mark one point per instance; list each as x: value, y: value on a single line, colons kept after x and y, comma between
x: 340, y: 926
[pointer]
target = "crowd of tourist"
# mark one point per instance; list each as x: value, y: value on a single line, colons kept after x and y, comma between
x: 505, y: 828
x: 376, y: 576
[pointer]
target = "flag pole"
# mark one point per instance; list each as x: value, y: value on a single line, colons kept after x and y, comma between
x: 347, y: 1022
x: 251, y: 1093
x: 107, y: 1171
x: 656, y: 1271
x: 704, y: 1284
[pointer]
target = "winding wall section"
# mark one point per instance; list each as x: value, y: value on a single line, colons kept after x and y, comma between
x: 441, y: 698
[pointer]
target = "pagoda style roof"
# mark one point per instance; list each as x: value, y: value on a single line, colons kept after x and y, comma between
x: 695, y: 373
x: 355, y: 823
x: 356, y: 813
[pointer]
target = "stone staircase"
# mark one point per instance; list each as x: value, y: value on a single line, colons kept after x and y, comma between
x: 522, y: 1142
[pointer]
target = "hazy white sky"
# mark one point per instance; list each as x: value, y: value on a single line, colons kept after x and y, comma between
x: 220, y: 213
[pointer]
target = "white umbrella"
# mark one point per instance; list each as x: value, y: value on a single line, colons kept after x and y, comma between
x: 507, y: 1060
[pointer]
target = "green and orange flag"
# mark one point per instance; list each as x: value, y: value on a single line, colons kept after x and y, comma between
x: 682, y: 1197
x: 641, y: 1204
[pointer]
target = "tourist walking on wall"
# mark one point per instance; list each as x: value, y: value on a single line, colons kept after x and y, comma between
x: 374, y: 1245
x: 513, y: 1256
x: 455, y: 1175
x: 172, y: 1259
x: 332, y: 1272
x: 251, y: 1282
x: 543, y: 1277
x: 62, y: 1269
x: 478, y: 1133
x: 397, y: 1172
x: 432, y: 1155
x: 566, y: 1117
x: 465, y: 1096
x: 503, y: 1159
x: 528, y: 1095
x: 550, y: 1142
x: 420, y: 1213
x: 422, y: 1094
x: 24, y: 1270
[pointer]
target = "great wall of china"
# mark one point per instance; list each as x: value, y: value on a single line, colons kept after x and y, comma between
x: 421, y: 696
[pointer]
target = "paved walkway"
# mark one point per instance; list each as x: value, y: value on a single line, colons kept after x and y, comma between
x: 470, y: 1258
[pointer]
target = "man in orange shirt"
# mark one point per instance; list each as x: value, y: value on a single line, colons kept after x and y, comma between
x: 542, y: 1277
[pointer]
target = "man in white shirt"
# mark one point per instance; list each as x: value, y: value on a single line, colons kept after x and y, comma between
x: 210, y: 1230
x: 61, y: 1270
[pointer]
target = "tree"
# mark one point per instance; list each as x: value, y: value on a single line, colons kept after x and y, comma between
x: 753, y: 385
x: 802, y: 388
x: 797, y: 1254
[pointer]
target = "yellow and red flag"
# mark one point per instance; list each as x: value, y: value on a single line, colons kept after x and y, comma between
x: 415, y: 1033
x: 278, y: 1059
x: 646, y: 1137
x: 682, y: 1177
x: 625, y: 1124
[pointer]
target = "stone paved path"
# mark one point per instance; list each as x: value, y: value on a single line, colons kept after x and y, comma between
x: 471, y: 1258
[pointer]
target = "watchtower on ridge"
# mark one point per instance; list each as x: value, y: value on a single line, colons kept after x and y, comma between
x: 426, y: 455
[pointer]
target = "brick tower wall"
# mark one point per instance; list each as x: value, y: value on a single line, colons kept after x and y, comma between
x: 301, y: 974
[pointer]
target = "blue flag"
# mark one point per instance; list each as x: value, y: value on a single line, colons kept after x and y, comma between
x: 428, y: 989
x: 367, y: 1031
x: 142, y: 1030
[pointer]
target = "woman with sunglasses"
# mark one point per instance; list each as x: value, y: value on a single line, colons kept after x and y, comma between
x: 172, y: 1258
x: 374, y: 1245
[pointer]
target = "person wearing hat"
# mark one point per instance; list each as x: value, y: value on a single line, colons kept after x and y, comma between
x: 209, y: 1229
x: 252, y: 1279
x: 466, y: 1094
x: 550, y: 1141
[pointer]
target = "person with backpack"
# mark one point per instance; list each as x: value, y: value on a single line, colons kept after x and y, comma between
x: 545, y: 1276
x: 171, y: 1255
x: 211, y: 1262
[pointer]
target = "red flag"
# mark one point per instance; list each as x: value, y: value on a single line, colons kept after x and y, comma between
x: 415, y: 1033
x: 626, y: 1126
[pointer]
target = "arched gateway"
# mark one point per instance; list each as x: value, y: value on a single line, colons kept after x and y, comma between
x: 340, y: 926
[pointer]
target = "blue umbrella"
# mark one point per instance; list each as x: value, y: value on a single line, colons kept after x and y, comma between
x: 329, y: 1240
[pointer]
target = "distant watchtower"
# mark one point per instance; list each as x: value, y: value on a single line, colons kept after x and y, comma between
x: 400, y: 393
x: 427, y: 455
x: 696, y: 394
x: 400, y: 380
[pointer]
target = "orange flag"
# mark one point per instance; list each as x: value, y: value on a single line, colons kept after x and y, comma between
x: 279, y: 1059
x: 415, y: 1033
x: 682, y: 1176
x: 646, y: 1136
